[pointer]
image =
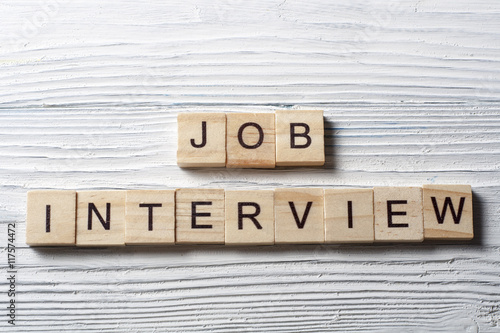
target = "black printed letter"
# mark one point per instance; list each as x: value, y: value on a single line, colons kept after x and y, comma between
x: 390, y: 213
x: 47, y: 218
x: 241, y: 216
x: 349, y: 214
x: 447, y: 202
x: 150, y: 214
x: 240, y: 135
x: 194, y: 214
x: 106, y: 224
x: 300, y: 222
x: 203, y: 136
x: 303, y: 135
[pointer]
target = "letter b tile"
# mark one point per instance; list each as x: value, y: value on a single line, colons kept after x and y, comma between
x: 300, y: 138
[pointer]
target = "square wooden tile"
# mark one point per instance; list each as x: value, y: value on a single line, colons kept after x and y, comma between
x: 300, y: 138
x: 349, y: 215
x: 250, y: 140
x: 398, y: 214
x: 199, y: 216
x: 299, y: 216
x: 448, y: 212
x: 150, y: 217
x: 201, y: 140
x: 250, y: 217
x: 51, y: 218
x: 100, y: 218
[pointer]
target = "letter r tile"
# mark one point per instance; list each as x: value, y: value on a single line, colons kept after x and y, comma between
x: 250, y: 217
x: 300, y: 138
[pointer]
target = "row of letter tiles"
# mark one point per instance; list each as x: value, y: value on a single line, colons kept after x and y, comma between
x: 256, y: 217
x: 251, y: 140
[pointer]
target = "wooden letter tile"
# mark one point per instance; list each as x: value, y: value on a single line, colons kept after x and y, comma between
x: 299, y: 138
x: 398, y: 214
x: 201, y: 140
x: 349, y: 215
x: 448, y: 212
x: 199, y: 216
x: 100, y: 218
x: 299, y: 216
x: 250, y: 140
x: 51, y: 218
x: 150, y: 217
x: 250, y: 217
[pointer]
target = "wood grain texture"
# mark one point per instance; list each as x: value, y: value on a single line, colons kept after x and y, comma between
x: 251, y: 140
x: 89, y: 94
x: 209, y: 149
x: 249, y: 217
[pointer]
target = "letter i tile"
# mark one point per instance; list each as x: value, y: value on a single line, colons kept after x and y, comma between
x: 51, y: 218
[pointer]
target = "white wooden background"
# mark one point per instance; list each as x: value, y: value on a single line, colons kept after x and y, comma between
x: 89, y: 92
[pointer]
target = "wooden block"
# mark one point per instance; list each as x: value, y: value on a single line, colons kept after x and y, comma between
x: 250, y: 140
x: 448, y: 212
x: 398, y: 214
x: 51, y: 218
x: 300, y: 138
x: 250, y: 217
x: 150, y: 217
x: 201, y: 140
x: 100, y: 218
x: 299, y: 216
x: 349, y: 215
x: 199, y: 216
